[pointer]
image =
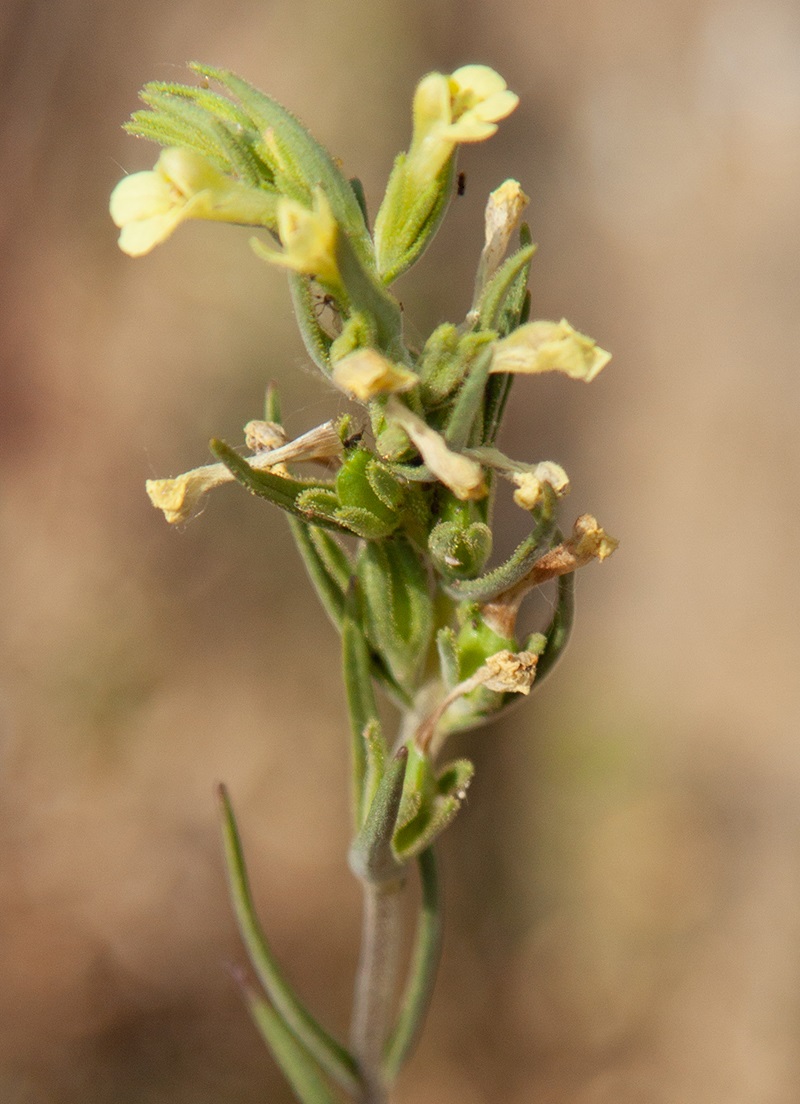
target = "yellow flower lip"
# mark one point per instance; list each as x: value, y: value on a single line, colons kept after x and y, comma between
x: 149, y: 206
x: 479, y: 99
x: 464, y: 107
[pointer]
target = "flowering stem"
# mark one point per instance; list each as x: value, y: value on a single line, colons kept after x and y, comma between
x: 373, y: 1008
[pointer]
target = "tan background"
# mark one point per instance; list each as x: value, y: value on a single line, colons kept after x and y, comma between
x: 624, y: 887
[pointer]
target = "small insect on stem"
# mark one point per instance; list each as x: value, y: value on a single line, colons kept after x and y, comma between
x: 326, y: 311
x: 461, y: 183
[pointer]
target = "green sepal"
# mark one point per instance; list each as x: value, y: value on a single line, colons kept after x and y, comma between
x: 429, y: 802
x: 316, y: 341
x: 505, y: 285
x: 445, y: 361
x: 397, y: 605
x: 330, y: 1055
x: 422, y: 971
x: 230, y: 141
x: 368, y: 495
x: 327, y: 565
x: 306, y: 164
x: 407, y: 220
x: 440, y: 368
x: 391, y: 441
x: 371, y: 856
x: 358, y: 332
x: 363, y: 523
x: 385, y: 485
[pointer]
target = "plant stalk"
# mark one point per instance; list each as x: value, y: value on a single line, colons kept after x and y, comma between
x: 376, y: 983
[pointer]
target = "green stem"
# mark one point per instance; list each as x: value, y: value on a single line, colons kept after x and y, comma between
x: 373, y: 1006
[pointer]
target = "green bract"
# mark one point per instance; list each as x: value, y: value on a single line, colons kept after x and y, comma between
x: 394, y: 519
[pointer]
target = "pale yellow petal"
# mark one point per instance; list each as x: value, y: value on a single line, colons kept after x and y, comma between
x: 139, y: 237
x: 180, y: 498
x: 138, y: 196
x: 366, y: 373
x: 550, y: 347
x: 463, y: 476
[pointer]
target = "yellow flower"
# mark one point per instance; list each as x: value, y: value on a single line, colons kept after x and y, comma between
x: 550, y: 347
x: 366, y: 373
x: 149, y: 206
x: 309, y: 240
x: 181, y: 498
x: 464, y: 107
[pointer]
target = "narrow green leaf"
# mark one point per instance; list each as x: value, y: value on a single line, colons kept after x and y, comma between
x: 316, y: 548
x: 230, y: 146
x: 331, y: 1056
x: 372, y: 858
x: 469, y: 399
x: 368, y: 295
x: 503, y: 284
x: 211, y: 102
x: 361, y: 199
x: 361, y: 704
x: 375, y: 750
x: 281, y: 490
x: 422, y: 973
x: 297, y: 1065
x: 560, y: 627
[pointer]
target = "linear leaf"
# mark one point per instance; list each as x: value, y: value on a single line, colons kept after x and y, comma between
x: 331, y: 1056
x: 422, y: 973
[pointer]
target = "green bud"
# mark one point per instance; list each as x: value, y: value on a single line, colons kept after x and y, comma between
x: 364, y: 484
x: 459, y: 552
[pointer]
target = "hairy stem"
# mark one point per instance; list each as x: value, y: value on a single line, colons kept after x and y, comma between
x: 373, y: 1010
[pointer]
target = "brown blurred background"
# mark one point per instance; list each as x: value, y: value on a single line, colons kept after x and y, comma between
x: 624, y: 886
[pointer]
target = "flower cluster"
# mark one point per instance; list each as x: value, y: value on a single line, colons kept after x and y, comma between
x: 413, y: 484
x: 393, y: 518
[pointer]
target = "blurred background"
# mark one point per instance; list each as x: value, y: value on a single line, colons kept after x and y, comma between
x: 623, y: 888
